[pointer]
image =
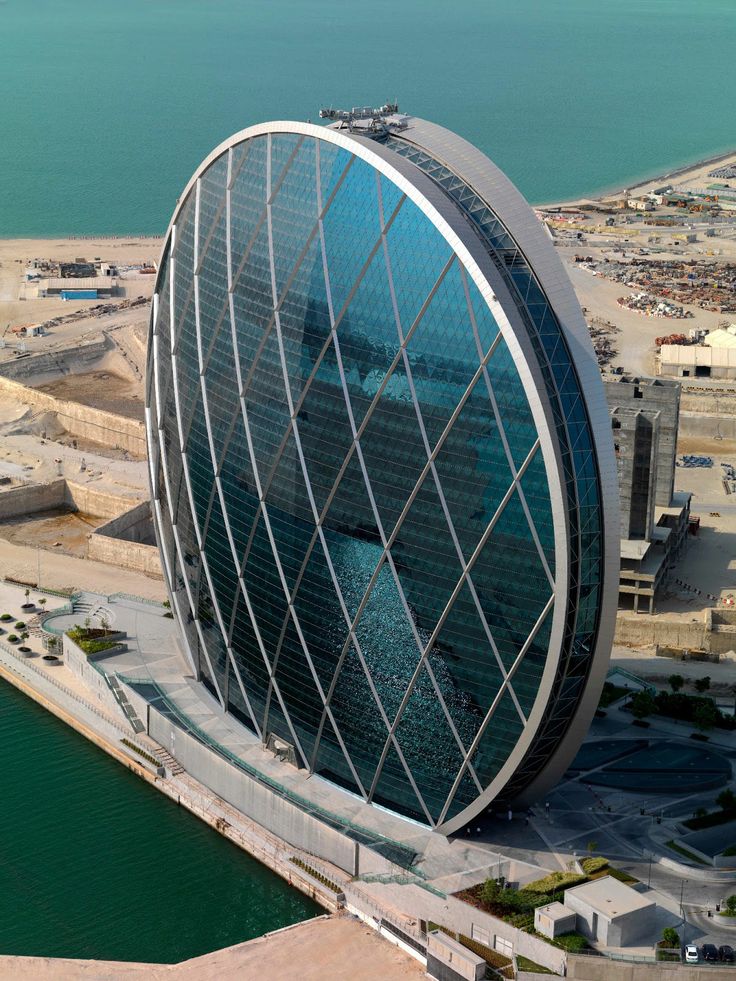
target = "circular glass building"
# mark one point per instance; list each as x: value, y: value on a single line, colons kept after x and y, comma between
x: 382, y: 471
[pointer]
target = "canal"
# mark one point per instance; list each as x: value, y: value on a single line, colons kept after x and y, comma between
x: 95, y: 863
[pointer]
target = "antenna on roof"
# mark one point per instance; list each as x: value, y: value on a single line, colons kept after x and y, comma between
x: 367, y: 119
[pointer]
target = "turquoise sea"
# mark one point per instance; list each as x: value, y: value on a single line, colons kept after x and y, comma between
x: 106, y: 106
x: 96, y: 864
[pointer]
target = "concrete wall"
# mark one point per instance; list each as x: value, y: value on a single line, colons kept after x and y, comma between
x: 629, y: 928
x: 642, y: 630
x: 104, y: 428
x: 17, y: 501
x: 461, y: 917
x: 89, y: 500
x: 584, y: 968
x: 252, y: 798
x: 83, y: 667
x: 121, y: 542
x: 125, y: 555
x: 133, y: 525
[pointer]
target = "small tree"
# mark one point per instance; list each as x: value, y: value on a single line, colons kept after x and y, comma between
x: 676, y: 682
x: 28, y: 593
x: 87, y: 622
x: 670, y: 937
x: 642, y: 704
x: 42, y: 601
x: 591, y: 847
x: 705, y: 715
x: 702, y: 684
x: 726, y: 799
x: 731, y: 905
x: 490, y: 892
x: 105, y: 624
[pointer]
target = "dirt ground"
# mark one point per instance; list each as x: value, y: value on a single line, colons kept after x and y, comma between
x: 16, y: 253
x: 100, y: 389
x: 62, y: 530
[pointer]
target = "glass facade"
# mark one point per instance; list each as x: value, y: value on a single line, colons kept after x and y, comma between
x: 350, y: 493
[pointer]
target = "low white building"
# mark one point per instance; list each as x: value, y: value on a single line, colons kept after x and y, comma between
x: 696, y: 361
x: 610, y: 912
x: 553, y: 919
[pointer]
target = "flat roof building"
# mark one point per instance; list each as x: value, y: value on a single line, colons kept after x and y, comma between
x: 612, y: 913
x: 381, y: 462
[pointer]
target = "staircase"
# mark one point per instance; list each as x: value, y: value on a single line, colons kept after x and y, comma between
x: 169, y: 762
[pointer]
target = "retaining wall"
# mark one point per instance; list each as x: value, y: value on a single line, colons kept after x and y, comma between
x: 121, y: 542
x: 103, y: 428
x: 82, y: 665
x: 641, y: 630
x: 82, y: 358
x: 30, y: 498
x: 463, y: 918
x: 257, y: 801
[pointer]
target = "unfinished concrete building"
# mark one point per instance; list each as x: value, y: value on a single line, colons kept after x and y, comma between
x: 654, y: 519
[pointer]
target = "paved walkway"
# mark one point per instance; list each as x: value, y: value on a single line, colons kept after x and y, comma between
x: 335, y: 948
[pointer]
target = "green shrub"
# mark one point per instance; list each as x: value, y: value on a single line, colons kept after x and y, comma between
x: 726, y: 800
x: 571, y: 942
x: 710, y: 820
x: 19, y: 625
x: 555, y: 881
x: 332, y: 886
x: 671, y: 937
x: 5, y: 617
x: 524, y: 964
x: 621, y: 876
x: 13, y: 638
x: 591, y: 865
x: 728, y: 852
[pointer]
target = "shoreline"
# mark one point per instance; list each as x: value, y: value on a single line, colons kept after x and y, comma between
x: 613, y: 190
x: 617, y: 190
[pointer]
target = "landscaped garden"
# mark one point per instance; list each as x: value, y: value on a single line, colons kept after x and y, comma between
x: 92, y: 640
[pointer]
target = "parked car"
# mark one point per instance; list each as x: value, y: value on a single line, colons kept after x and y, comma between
x: 691, y: 954
x: 710, y: 952
x: 725, y: 953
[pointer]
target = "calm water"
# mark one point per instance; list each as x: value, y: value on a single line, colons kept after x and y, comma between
x: 108, y: 106
x: 96, y: 864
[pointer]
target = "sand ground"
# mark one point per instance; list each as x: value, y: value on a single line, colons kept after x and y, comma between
x: 16, y: 253
x: 339, y: 948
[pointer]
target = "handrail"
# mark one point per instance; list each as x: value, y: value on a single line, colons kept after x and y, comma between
x: 335, y: 820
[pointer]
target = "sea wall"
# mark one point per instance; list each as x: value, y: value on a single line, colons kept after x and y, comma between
x: 254, y: 799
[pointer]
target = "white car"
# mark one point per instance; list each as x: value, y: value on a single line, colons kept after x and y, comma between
x: 691, y: 954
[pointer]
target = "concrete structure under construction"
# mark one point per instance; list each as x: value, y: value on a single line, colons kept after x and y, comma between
x: 654, y: 518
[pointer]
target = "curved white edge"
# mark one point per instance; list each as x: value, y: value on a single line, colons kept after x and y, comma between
x: 506, y: 201
x: 464, y: 240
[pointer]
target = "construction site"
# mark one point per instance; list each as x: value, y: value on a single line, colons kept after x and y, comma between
x: 73, y: 477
